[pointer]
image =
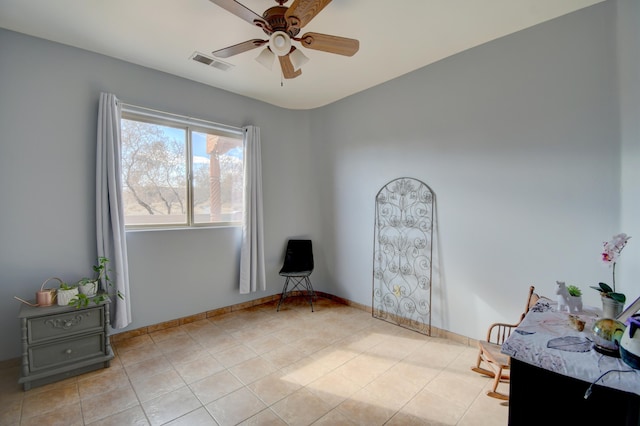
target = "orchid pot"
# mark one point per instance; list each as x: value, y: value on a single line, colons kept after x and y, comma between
x: 611, y: 308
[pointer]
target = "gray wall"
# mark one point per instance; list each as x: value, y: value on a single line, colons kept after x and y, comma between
x: 519, y: 138
x: 48, y: 111
x: 628, y: 33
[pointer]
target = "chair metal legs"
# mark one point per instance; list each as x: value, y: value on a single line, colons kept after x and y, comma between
x: 303, y: 284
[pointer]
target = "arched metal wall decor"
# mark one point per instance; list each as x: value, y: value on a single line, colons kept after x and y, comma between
x: 403, y: 246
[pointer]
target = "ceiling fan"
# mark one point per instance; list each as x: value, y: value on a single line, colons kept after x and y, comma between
x: 283, y: 24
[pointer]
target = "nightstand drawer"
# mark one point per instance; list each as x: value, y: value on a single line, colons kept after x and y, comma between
x: 66, y: 351
x: 50, y: 327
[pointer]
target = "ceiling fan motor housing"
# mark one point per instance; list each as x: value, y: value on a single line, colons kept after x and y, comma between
x: 277, y: 22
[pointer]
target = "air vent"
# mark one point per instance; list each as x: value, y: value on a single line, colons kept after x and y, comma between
x: 221, y: 65
x: 207, y: 60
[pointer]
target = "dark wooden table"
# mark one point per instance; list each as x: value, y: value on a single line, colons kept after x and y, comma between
x: 552, y: 367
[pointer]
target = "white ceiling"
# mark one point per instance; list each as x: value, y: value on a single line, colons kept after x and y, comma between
x: 396, y: 37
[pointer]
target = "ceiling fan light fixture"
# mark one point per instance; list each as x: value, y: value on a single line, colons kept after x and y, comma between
x: 280, y: 43
x: 298, y: 59
x: 266, y: 58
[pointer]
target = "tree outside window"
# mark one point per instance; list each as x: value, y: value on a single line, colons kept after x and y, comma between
x: 176, y: 175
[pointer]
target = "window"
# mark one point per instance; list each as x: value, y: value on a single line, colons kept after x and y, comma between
x: 178, y: 171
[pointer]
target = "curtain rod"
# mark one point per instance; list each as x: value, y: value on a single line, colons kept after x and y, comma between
x: 150, y: 112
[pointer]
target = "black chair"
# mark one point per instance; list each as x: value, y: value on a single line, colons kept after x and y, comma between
x: 298, y: 265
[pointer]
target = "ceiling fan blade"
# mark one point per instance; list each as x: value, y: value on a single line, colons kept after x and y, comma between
x: 239, y: 48
x: 329, y: 43
x: 241, y: 11
x: 302, y: 11
x: 287, y: 66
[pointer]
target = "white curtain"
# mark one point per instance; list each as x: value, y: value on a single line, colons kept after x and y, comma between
x: 109, y: 208
x: 252, y: 275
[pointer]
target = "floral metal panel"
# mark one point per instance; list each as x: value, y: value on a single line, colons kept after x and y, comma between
x: 403, y: 240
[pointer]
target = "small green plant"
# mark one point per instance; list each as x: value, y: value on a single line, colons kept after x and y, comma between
x: 82, y: 300
x: 66, y: 286
x: 574, y: 290
x: 101, y: 272
x: 86, y: 281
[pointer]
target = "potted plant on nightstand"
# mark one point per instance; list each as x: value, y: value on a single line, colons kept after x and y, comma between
x: 89, y: 286
x: 66, y: 293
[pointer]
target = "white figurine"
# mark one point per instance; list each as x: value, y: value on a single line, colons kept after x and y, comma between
x: 572, y: 304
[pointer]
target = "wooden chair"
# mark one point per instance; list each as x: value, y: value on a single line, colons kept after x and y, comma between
x: 490, y: 354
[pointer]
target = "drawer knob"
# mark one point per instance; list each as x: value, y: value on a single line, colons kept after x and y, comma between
x: 68, y: 352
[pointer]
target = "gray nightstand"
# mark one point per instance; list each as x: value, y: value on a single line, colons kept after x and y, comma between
x: 63, y: 341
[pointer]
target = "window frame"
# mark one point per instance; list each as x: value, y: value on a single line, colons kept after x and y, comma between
x: 189, y: 124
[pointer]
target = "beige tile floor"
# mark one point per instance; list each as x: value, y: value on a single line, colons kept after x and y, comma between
x: 335, y: 366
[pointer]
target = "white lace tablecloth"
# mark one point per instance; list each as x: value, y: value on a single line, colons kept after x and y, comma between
x: 546, y: 339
